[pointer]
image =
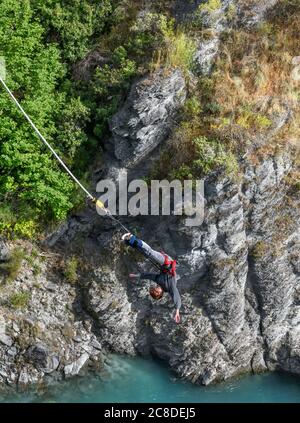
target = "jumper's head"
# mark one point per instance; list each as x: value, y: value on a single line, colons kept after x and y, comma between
x: 156, y: 292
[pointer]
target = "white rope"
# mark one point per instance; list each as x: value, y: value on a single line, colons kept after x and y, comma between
x: 44, y: 140
x: 97, y: 202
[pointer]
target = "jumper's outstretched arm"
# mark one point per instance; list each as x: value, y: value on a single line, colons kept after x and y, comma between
x: 149, y: 276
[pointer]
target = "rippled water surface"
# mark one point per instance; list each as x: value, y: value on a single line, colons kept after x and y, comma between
x: 137, y: 380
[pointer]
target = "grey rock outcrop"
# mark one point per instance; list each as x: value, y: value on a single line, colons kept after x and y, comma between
x: 6, y: 340
x: 146, y: 118
x: 74, y: 368
x: 42, y: 358
x: 230, y: 13
x: 205, y: 55
x: 45, y: 334
x: 237, y: 317
x: 253, y: 13
x: 4, y: 251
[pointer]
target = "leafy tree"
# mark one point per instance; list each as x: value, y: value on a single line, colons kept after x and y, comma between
x: 72, y: 23
x: 108, y: 85
x: 30, y: 179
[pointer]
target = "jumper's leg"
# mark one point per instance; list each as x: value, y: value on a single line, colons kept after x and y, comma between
x: 152, y: 254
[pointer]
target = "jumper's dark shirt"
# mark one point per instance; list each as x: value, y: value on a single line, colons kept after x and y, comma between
x: 166, y: 281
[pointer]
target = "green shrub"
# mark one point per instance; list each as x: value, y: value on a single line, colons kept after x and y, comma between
x: 13, y: 266
x: 152, y: 30
x: 30, y: 260
x: 36, y: 269
x: 19, y: 300
x: 184, y: 172
x: 25, y: 229
x: 262, y: 121
x: 192, y: 108
x: 207, y: 155
x: 210, y: 6
x: 29, y: 173
x: 249, y: 119
x: 34, y: 253
x: 180, y: 52
x: 107, y: 87
x: 260, y: 249
x: 70, y: 270
x: 13, y: 225
x: 177, y: 51
x: 6, y: 220
x: 194, y: 156
x: 73, y: 23
x: 231, y: 11
x: 71, y: 123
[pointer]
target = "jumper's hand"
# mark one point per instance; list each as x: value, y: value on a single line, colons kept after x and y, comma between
x: 126, y: 237
x: 177, y: 317
x: 134, y: 276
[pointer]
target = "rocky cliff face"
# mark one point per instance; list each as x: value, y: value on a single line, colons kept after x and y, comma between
x: 239, y: 271
x: 46, y: 334
x: 147, y: 116
x: 238, y: 278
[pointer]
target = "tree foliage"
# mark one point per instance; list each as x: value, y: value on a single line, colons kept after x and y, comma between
x: 73, y: 23
x: 28, y: 174
x: 35, y: 38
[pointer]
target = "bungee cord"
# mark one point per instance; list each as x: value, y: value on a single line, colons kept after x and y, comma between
x: 65, y: 167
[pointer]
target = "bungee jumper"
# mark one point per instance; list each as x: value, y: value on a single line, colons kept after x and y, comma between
x: 166, y: 279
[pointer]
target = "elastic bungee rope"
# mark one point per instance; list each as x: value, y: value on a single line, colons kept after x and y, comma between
x: 89, y: 195
x: 42, y: 138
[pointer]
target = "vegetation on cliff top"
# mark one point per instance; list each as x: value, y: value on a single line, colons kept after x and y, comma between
x: 253, y: 85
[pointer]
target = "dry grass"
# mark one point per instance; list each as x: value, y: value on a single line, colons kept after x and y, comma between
x: 258, y: 65
x: 14, y: 265
x: 253, y: 81
x: 71, y: 270
x: 176, y: 52
x: 243, y: 102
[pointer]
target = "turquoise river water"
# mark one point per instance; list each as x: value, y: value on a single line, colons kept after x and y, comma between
x: 138, y: 380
